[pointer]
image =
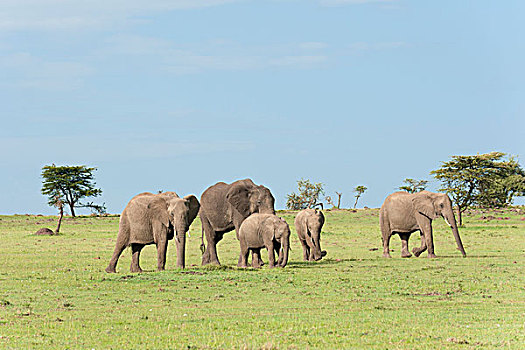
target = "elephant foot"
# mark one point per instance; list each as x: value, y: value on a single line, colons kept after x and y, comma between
x: 136, y: 269
x: 242, y: 265
x: 111, y: 270
x: 406, y: 255
x: 432, y: 256
x: 159, y: 269
x: 386, y: 255
x: 416, y: 252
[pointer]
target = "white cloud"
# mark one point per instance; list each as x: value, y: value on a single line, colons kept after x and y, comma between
x: 223, y: 55
x: 24, y: 70
x: 99, y: 148
x: 313, y: 45
x: 87, y: 14
x: 351, y: 2
x: 364, y: 46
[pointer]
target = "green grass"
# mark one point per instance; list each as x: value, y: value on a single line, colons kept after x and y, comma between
x: 55, y: 294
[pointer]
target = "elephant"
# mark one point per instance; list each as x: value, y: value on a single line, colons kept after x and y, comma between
x: 308, y: 224
x: 224, y: 207
x: 154, y: 218
x: 265, y: 230
x: 404, y: 213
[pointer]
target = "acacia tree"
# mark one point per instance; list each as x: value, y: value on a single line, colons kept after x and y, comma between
x: 359, y: 190
x: 486, y: 180
x: 307, y: 196
x: 413, y: 186
x: 70, y: 184
x: 330, y: 201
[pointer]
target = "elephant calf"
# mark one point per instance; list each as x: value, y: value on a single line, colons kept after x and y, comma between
x: 154, y: 218
x: 308, y: 224
x: 264, y: 230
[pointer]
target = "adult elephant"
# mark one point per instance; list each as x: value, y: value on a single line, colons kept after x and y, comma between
x: 154, y: 218
x: 224, y: 207
x: 404, y: 213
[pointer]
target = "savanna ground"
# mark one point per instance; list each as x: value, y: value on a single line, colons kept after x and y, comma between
x: 55, y: 294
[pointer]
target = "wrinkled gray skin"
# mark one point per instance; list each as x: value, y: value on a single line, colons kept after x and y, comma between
x: 224, y: 207
x: 404, y: 213
x: 265, y: 231
x: 308, y: 224
x: 154, y: 218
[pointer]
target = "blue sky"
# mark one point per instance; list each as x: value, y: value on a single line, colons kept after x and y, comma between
x: 177, y: 95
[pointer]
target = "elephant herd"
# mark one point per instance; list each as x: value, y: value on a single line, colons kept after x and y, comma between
x: 248, y: 209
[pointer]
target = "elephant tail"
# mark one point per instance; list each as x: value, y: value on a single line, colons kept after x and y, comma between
x: 202, y: 246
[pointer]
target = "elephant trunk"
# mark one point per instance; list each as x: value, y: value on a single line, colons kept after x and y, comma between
x: 318, y: 253
x: 180, y: 237
x: 284, y: 251
x: 451, y: 221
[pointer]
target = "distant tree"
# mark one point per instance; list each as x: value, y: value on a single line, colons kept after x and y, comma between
x: 413, y: 186
x: 486, y: 180
x: 307, y: 196
x: 359, y: 190
x: 330, y: 201
x: 70, y: 184
x: 504, y: 181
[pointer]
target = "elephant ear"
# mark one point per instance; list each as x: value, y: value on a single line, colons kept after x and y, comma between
x: 158, y: 208
x: 239, y: 197
x: 194, y: 207
x: 423, y: 204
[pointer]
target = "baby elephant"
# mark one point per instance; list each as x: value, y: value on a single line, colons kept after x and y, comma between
x: 264, y: 230
x: 308, y: 224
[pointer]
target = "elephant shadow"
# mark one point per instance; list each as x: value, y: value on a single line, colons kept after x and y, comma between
x: 324, y: 262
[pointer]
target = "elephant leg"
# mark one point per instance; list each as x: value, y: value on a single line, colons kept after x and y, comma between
x: 119, y: 248
x: 277, y: 249
x: 256, y: 258
x: 271, y: 256
x: 161, y: 254
x: 306, y: 250
x: 243, y: 256
x: 386, y: 233
x: 135, y: 249
x: 417, y: 251
x: 426, y: 229
x: 311, y: 253
x: 404, y: 245
x: 210, y: 254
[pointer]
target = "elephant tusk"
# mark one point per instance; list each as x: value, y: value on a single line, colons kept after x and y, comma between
x: 448, y: 223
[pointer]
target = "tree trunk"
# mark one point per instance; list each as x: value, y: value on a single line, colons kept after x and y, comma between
x: 356, y: 199
x: 338, y: 200
x: 60, y: 219
x: 72, y: 208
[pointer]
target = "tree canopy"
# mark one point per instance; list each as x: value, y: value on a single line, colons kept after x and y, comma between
x: 307, y: 196
x: 413, y: 185
x: 359, y: 190
x: 487, y: 180
x: 70, y: 184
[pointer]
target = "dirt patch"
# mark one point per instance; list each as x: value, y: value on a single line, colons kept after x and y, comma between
x: 44, y: 231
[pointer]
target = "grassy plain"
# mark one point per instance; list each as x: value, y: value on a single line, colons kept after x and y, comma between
x: 55, y: 294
